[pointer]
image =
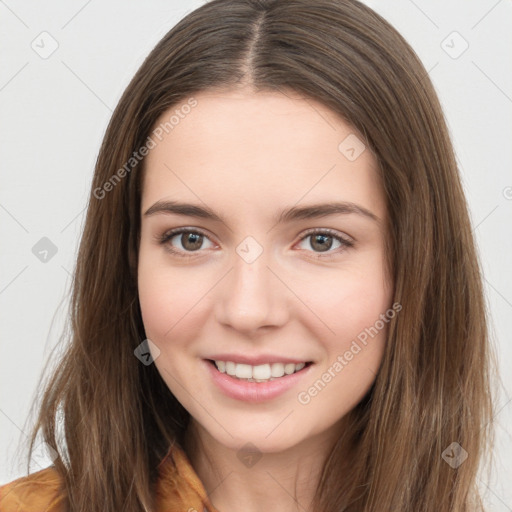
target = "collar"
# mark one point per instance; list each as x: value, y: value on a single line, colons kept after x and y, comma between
x: 178, y: 488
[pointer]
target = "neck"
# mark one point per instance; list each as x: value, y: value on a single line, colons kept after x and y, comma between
x: 284, y: 481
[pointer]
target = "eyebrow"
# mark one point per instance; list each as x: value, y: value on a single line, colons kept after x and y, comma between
x: 290, y: 214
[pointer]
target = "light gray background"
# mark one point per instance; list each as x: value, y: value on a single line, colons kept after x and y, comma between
x: 54, y: 112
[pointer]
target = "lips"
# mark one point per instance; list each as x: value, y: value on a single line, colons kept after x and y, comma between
x: 257, y: 359
x: 251, y: 391
x: 260, y: 372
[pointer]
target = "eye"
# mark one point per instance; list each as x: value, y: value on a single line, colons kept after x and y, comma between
x: 191, y: 240
x: 322, y: 240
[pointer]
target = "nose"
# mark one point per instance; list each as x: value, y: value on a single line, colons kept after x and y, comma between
x: 251, y: 297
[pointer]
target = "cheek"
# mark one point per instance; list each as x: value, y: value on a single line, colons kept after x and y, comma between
x: 351, y: 302
x: 158, y: 296
x: 155, y: 313
x: 162, y: 305
x: 359, y: 316
x: 171, y: 298
x: 160, y: 291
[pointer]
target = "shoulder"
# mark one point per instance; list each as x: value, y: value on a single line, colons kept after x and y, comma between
x: 37, y: 492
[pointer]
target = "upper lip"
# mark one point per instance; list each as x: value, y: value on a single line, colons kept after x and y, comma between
x: 257, y: 360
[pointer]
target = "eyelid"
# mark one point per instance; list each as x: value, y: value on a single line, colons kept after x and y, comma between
x: 332, y: 232
x: 171, y: 233
x: 345, y: 240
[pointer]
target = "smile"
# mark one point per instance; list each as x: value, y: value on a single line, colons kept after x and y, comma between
x: 260, y: 373
x: 250, y: 389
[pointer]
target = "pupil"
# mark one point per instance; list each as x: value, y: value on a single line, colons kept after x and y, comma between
x: 189, y: 240
x: 323, y: 246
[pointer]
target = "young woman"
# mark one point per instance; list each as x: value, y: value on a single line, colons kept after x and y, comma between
x: 277, y: 302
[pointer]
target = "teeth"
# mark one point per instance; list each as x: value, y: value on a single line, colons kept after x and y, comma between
x: 243, y: 371
x: 289, y: 368
x: 277, y: 369
x: 230, y: 367
x: 260, y: 373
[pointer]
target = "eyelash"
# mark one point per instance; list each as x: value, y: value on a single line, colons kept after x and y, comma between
x: 167, y: 236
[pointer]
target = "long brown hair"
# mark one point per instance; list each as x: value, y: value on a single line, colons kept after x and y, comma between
x: 112, y: 419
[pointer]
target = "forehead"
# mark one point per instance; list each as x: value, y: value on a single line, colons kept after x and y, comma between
x: 262, y: 148
x: 258, y: 119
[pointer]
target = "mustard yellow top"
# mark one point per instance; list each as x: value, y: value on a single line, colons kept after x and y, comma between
x: 178, y: 489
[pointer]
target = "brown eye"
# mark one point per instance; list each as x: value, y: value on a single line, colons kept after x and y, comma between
x: 322, y: 241
x: 183, y: 241
x: 191, y: 241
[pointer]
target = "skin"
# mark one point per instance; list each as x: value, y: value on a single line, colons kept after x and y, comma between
x: 248, y: 156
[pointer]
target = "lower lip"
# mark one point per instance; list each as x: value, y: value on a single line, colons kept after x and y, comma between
x: 254, y: 392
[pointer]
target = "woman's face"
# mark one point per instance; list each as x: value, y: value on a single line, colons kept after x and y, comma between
x: 264, y: 273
